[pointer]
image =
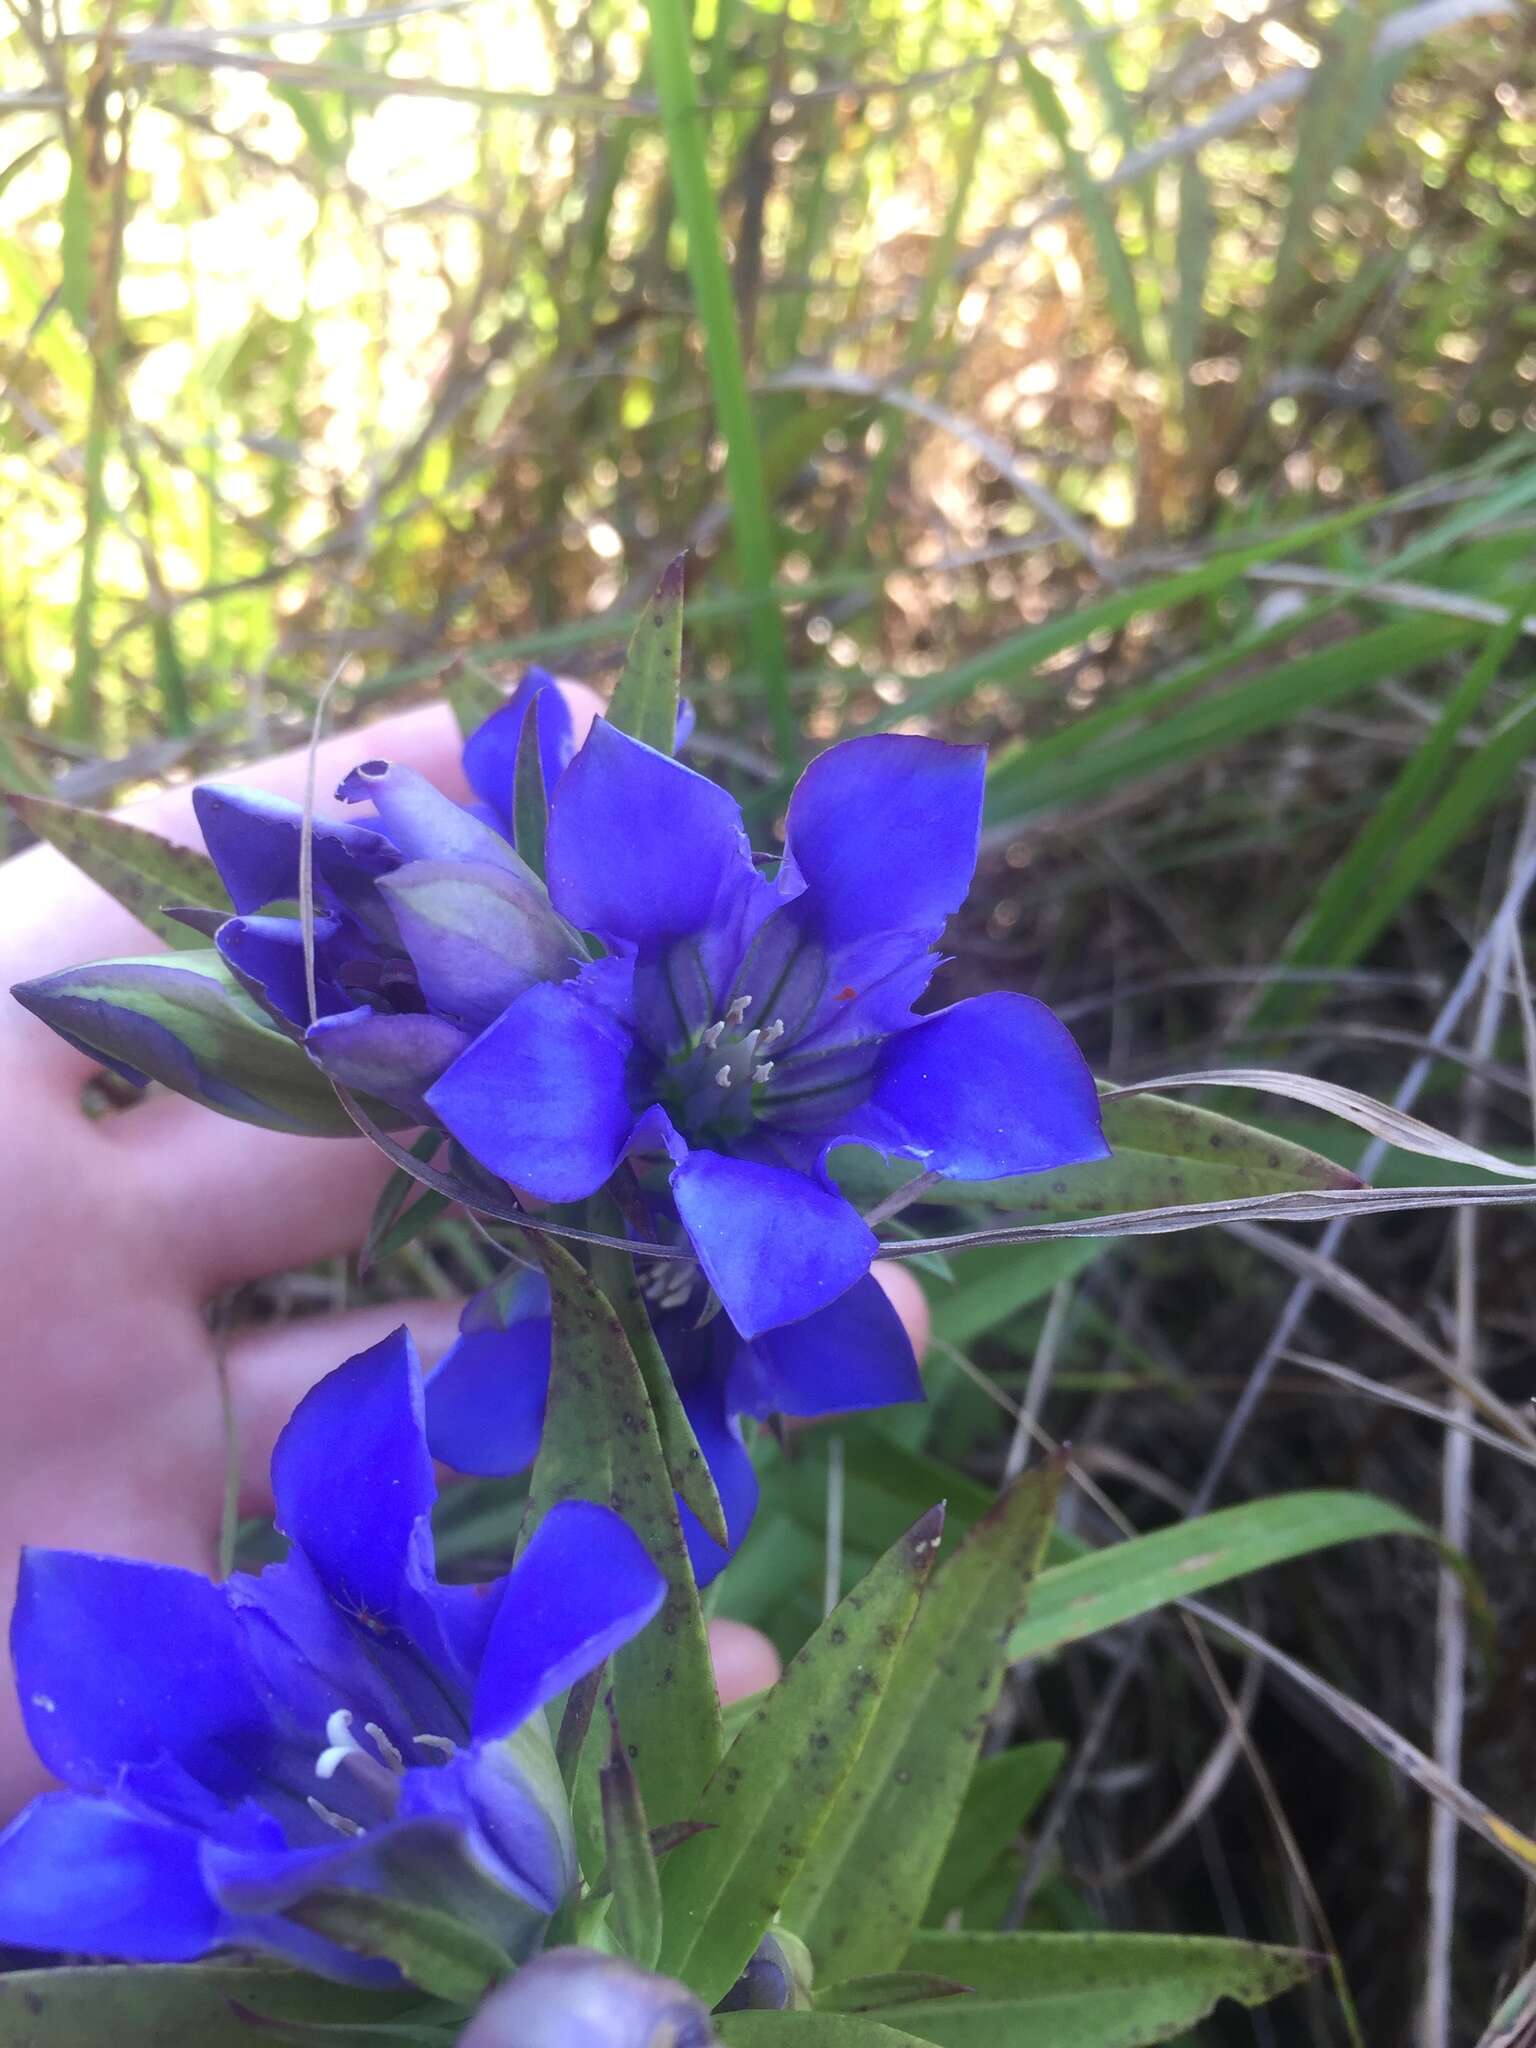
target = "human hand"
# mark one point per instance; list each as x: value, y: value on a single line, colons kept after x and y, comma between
x: 118, y: 1230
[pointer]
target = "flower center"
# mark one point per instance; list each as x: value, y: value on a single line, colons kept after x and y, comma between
x: 713, y: 1084
x: 371, y: 1773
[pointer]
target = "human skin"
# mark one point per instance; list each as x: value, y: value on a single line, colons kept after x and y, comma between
x: 118, y: 1230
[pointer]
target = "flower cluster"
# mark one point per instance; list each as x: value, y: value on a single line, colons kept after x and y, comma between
x: 650, y: 1011
x: 340, y: 1719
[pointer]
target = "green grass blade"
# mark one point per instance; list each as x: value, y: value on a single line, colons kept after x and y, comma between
x: 751, y: 516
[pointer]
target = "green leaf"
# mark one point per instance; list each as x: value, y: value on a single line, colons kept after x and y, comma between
x: 175, y: 2005
x: 886, y: 1991
x: 437, y: 1951
x: 691, y: 1476
x: 809, y: 2030
x: 143, y: 871
x: 388, y: 1227
x: 1089, y: 1990
x: 645, y: 702
x: 997, y: 1281
x: 1112, y: 1585
x: 530, y: 799
x: 75, y: 243
x: 634, y: 1919
x: 1163, y: 1153
x: 1004, y: 1791
x: 779, y: 1781
x: 600, y: 1443
x: 858, y: 1902
x: 474, y: 697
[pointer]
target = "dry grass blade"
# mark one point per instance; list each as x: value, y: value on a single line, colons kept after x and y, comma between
x: 1394, y: 1397
x: 1392, y: 1126
x: 1514, y: 1846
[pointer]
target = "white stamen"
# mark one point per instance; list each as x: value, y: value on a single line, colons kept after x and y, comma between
x: 384, y: 1746
x: 772, y: 1035
x: 341, y: 1744
x: 338, y: 1821
x: 723, y: 1078
x: 439, y: 1742
x: 712, y: 1036
x: 739, y: 1008
x: 762, y: 1070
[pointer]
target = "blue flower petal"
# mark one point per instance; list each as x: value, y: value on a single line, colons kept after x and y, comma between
x: 853, y: 1354
x: 540, y: 1096
x: 353, y: 1485
x: 395, y: 1059
x: 883, y: 833
x: 422, y: 822
x: 490, y: 752
x: 584, y: 1586
x: 477, y: 935
x: 731, y: 1468
x: 485, y: 1400
x: 990, y: 1087
x: 774, y: 1244
x: 120, y: 1663
x: 254, y: 839
x: 80, y: 1876
x: 640, y: 847
x: 266, y: 955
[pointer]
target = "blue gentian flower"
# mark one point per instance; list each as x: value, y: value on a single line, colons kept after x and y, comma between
x: 485, y: 1399
x: 425, y: 929
x: 577, y: 1998
x: 340, y: 1719
x: 748, y: 1026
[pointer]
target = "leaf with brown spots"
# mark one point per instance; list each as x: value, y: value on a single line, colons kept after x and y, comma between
x: 645, y: 701
x: 140, y: 869
x: 779, y: 1781
x: 600, y: 1443
x: 859, y: 1901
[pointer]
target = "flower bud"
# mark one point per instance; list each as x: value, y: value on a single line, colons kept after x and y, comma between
x: 777, y: 1979
x: 182, y: 1020
x: 578, y: 1998
x: 478, y: 935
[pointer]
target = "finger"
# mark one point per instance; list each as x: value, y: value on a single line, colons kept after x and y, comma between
x: 745, y: 1661
x: 909, y: 1301
x: 270, y: 1371
x: 234, y: 1202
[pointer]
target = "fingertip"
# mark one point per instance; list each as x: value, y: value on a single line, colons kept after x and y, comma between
x: 745, y: 1661
x: 909, y: 1301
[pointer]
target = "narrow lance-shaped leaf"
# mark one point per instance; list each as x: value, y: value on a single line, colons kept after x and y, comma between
x: 1116, y: 1584
x: 177, y: 2005
x: 600, y: 1443
x: 436, y: 1950
x: 859, y: 1901
x: 645, y: 702
x: 810, y: 2030
x: 779, y: 1781
x: 1088, y: 1990
x: 634, y: 1918
x: 530, y: 799
x: 140, y: 869
x: 691, y: 1476
x: 473, y: 695
x: 1004, y: 1791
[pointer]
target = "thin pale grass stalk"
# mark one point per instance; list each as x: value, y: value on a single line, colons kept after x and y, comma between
x: 1456, y: 1496
x: 1394, y: 1397
x: 1290, y: 1848
x: 1506, y: 920
x: 1042, y: 1365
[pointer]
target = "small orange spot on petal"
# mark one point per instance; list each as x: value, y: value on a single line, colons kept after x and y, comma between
x: 846, y: 995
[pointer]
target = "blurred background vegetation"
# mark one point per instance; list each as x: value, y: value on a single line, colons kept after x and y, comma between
x: 1143, y: 387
